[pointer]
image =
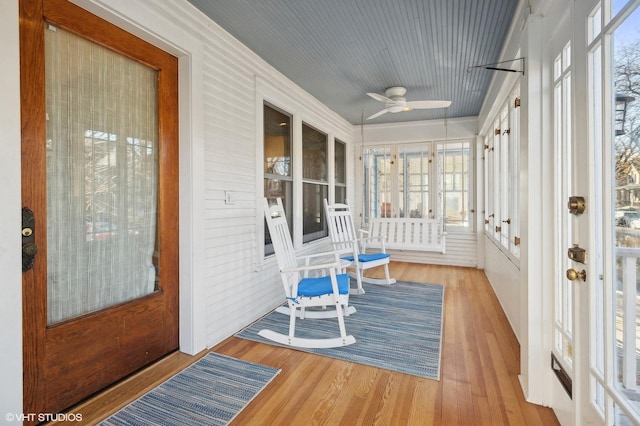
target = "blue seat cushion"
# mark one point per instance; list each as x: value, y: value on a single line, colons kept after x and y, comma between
x: 369, y: 257
x: 319, y: 286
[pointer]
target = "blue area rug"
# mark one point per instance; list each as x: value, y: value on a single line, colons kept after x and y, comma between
x: 396, y: 327
x: 212, y: 391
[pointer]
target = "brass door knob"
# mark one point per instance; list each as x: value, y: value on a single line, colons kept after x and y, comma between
x: 572, y: 275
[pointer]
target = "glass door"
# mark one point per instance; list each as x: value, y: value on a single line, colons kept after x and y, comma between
x: 614, y: 61
x: 100, y: 174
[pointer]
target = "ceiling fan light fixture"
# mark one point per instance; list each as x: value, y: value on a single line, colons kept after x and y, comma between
x: 395, y: 102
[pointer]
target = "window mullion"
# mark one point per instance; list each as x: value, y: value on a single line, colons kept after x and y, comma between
x: 395, y: 183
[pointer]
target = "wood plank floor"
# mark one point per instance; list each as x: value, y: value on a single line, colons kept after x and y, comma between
x: 478, y: 385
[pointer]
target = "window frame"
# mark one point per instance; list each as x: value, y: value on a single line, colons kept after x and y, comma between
x: 288, y: 177
x: 339, y: 185
x: 272, y: 96
x: 388, y: 202
x: 320, y: 183
x: 501, y: 161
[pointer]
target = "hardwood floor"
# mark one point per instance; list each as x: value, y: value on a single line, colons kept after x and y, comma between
x: 478, y: 384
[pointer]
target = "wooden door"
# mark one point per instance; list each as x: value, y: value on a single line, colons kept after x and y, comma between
x: 67, y: 360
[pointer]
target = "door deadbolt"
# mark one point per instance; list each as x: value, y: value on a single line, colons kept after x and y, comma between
x: 577, y: 254
x: 573, y: 275
x: 29, y: 248
x: 576, y: 205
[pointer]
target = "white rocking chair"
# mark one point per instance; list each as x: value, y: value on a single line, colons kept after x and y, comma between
x: 301, y: 291
x: 346, y: 241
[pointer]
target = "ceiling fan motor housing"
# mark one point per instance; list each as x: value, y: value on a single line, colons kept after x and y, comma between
x: 395, y: 91
x: 396, y: 94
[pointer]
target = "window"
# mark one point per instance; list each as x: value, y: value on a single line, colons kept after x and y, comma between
x: 430, y: 180
x: 303, y: 165
x: 494, y: 151
x: 315, y: 183
x: 502, y: 177
x: 488, y: 182
x: 377, y: 182
x: 505, y: 181
x: 340, y: 171
x: 278, y: 179
x: 454, y: 161
x: 413, y: 165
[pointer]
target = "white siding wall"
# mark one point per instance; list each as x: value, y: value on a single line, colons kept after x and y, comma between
x: 238, y: 288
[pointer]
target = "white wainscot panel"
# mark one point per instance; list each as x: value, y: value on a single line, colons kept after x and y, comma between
x: 504, y: 277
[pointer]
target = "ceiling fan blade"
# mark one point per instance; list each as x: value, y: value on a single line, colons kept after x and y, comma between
x: 377, y: 114
x: 428, y: 104
x: 379, y: 98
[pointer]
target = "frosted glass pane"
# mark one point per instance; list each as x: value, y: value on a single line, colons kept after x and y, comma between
x: 101, y: 177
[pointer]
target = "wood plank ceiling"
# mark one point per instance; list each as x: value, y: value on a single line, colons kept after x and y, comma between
x: 338, y: 50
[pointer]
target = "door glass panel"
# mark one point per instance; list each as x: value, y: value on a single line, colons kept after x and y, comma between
x: 598, y: 331
x: 563, y: 288
x: 626, y: 216
x: 618, y: 5
x: 101, y: 177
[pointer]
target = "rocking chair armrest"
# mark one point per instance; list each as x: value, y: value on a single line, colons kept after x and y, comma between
x: 381, y: 238
x: 363, y: 232
x: 331, y: 265
x: 340, y: 246
x: 359, y: 241
x: 364, y: 239
x: 333, y: 253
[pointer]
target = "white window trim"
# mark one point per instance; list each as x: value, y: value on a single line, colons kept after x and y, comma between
x: 395, y: 149
x: 493, y: 183
x: 313, y: 116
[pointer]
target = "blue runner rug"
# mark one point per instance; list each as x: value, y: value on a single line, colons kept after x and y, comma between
x: 396, y: 327
x: 212, y: 391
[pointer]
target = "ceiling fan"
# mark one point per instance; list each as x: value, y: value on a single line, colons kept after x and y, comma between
x: 395, y: 102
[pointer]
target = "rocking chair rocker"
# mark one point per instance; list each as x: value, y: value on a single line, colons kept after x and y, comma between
x: 302, y: 292
x: 344, y: 239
